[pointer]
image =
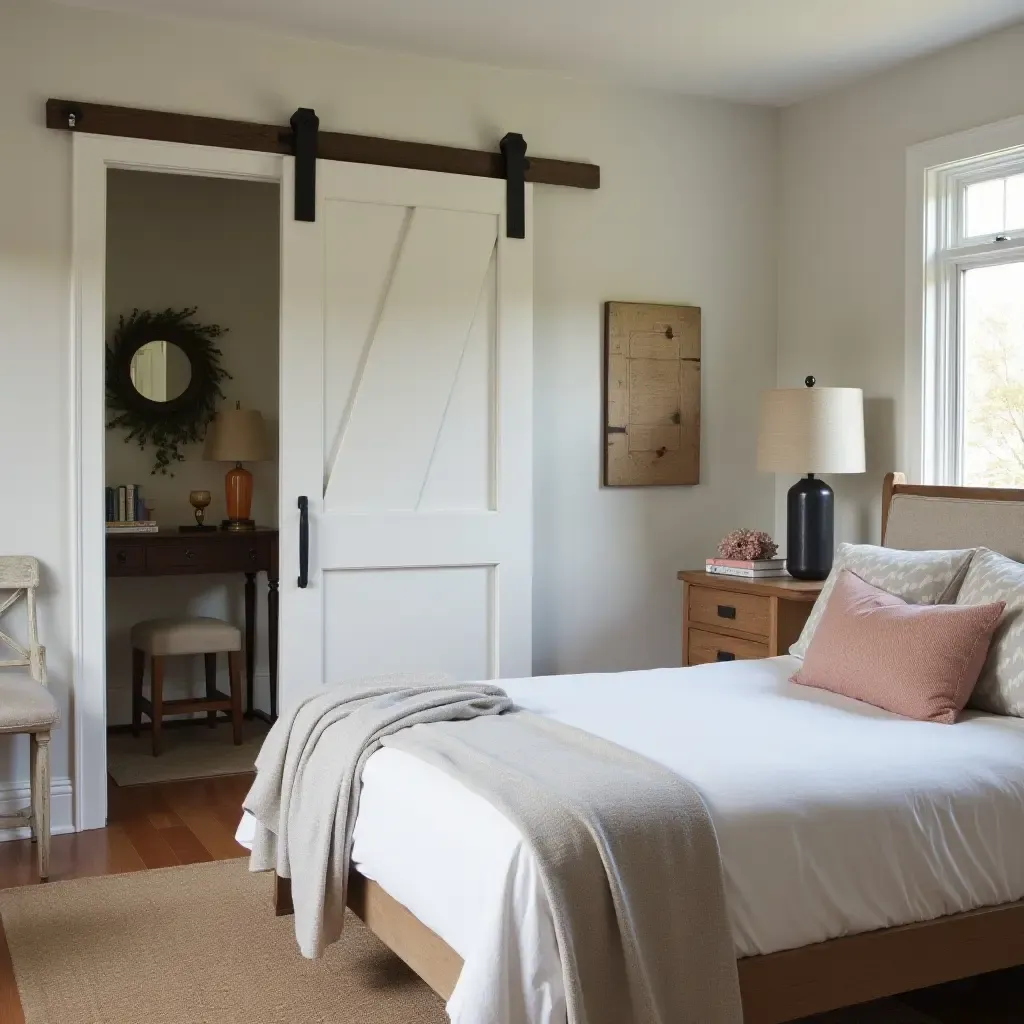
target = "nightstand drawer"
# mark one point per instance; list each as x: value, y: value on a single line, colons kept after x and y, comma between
x: 748, y: 613
x: 704, y: 647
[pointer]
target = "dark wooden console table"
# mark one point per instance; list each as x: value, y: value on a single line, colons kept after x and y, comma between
x: 186, y: 554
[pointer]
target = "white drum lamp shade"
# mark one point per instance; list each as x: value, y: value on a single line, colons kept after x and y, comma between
x: 811, y: 430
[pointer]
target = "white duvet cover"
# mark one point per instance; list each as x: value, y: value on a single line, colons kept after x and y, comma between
x: 833, y: 817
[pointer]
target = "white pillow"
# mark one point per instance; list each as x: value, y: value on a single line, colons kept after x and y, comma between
x: 994, y: 577
x: 919, y: 577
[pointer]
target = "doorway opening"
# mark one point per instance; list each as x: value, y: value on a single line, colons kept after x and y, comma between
x: 203, y: 253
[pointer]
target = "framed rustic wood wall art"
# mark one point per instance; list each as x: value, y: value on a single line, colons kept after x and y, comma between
x: 652, y: 394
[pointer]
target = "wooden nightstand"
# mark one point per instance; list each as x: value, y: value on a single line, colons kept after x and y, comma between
x: 729, y: 618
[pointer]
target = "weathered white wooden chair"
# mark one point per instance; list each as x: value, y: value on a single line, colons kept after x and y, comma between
x: 26, y: 705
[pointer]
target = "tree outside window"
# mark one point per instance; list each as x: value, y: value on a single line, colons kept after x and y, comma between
x: 993, y: 363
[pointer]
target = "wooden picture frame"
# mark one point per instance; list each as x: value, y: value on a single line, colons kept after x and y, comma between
x: 651, y: 394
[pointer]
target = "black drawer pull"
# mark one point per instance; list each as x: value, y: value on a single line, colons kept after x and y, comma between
x: 122, y: 558
x: 725, y: 656
x: 726, y: 611
x: 189, y: 554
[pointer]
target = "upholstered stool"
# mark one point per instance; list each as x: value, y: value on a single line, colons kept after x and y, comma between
x: 168, y: 638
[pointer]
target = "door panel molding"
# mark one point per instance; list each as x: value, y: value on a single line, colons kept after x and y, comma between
x: 399, y: 400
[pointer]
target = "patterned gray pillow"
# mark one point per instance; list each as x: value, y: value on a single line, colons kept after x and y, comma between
x: 993, y: 577
x: 919, y: 577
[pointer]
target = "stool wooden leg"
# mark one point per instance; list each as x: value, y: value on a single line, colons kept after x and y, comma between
x: 235, y: 672
x: 211, y: 687
x: 138, y: 673
x: 156, y: 698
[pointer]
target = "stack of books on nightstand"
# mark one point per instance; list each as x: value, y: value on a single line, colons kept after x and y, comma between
x: 766, y: 568
x: 126, y: 511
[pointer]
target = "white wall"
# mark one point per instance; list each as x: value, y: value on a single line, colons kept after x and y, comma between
x: 686, y: 213
x: 843, y: 217
x: 175, y: 241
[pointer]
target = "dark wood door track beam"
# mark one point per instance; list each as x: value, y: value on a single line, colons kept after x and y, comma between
x: 161, y: 126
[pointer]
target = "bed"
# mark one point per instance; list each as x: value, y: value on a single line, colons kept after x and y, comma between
x: 864, y: 854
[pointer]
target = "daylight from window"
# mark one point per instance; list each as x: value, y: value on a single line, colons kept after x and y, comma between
x: 993, y: 360
x: 995, y: 206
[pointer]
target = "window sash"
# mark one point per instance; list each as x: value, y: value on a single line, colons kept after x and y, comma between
x: 949, y: 414
x: 949, y: 254
x: 952, y: 184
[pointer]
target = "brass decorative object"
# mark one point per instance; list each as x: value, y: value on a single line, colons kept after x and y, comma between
x: 199, y: 500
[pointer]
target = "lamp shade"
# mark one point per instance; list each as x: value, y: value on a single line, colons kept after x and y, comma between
x: 811, y: 430
x: 236, y: 435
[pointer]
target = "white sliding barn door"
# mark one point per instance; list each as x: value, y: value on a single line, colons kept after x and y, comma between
x: 406, y: 419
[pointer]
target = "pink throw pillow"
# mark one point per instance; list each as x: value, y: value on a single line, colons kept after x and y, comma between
x: 917, y: 660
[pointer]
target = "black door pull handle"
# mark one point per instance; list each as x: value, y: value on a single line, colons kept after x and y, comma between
x: 725, y: 656
x: 303, y: 541
x: 726, y: 611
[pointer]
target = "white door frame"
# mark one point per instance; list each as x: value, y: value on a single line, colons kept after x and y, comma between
x: 92, y: 156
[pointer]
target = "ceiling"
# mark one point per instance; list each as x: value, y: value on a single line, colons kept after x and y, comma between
x: 762, y: 51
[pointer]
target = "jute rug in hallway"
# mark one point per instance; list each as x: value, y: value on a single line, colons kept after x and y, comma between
x: 200, y: 945
x: 190, y: 752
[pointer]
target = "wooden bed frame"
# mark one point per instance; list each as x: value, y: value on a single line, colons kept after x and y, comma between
x: 793, y: 983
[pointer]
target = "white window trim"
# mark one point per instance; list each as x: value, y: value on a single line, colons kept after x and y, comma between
x: 930, y: 395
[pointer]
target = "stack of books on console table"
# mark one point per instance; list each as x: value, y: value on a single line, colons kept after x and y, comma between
x: 136, y: 526
x: 766, y: 568
x: 126, y: 511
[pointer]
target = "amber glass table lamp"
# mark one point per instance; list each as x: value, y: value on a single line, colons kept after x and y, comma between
x: 237, y: 435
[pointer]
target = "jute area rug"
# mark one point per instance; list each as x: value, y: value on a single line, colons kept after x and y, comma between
x: 189, y: 752
x: 194, y: 945
x: 200, y: 945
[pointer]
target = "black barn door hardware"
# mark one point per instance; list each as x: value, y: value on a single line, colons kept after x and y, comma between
x: 305, y: 127
x: 137, y: 123
x: 303, y: 542
x: 513, y: 150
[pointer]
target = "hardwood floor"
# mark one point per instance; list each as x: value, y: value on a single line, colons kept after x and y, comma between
x: 150, y: 827
x: 188, y: 822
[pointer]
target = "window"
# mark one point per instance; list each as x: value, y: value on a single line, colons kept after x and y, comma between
x: 992, y: 343
x: 973, y: 359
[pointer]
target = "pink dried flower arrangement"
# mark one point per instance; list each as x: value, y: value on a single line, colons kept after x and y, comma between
x: 752, y: 545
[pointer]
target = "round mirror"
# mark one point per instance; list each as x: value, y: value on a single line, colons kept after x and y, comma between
x: 161, y: 371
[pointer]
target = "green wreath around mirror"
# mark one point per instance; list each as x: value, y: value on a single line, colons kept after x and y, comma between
x: 163, y: 378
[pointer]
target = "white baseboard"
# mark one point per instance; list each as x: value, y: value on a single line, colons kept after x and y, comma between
x: 15, y: 796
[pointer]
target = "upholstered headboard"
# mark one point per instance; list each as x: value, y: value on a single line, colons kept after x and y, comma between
x: 916, y: 517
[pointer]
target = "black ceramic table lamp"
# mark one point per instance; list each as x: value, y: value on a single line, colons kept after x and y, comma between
x: 811, y: 430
